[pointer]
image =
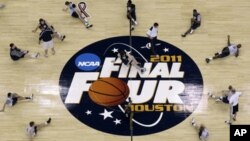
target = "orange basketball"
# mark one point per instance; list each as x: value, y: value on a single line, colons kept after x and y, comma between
x: 108, y: 91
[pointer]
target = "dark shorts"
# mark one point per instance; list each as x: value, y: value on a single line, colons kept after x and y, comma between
x: 195, y: 25
x: 75, y: 15
x: 225, y: 99
x: 15, y: 58
x: 225, y: 52
x: 35, y: 129
x: 235, y: 109
x: 14, y: 101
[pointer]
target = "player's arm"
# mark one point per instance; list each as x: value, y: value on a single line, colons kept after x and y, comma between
x: 40, y: 38
x: 35, y: 28
x: 228, y: 40
x: 237, y: 53
x: 65, y: 9
x: 148, y: 34
x: 117, y: 56
x: 2, y: 110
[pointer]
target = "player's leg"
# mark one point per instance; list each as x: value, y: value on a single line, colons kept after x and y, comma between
x: 59, y: 35
x: 133, y: 20
x: 195, y: 125
x: 42, y: 125
x: 235, y: 111
x: 32, y: 56
x: 85, y: 22
x: 153, y: 41
x: 231, y: 111
x: 19, y: 97
x: 224, y: 53
x: 187, y: 32
x: 51, y: 45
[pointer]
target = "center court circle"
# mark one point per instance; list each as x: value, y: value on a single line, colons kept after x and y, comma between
x: 163, y: 96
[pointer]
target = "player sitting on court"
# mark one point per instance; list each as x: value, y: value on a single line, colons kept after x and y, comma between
x: 195, y: 23
x: 16, y: 53
x: 75, y: 13
x: 202, y: 131
x: 225, y: 97
x: 33, y: 128
x: 43, y: 24
x: 129, y: 59
x: 230, y: 49
x: 13, y: 98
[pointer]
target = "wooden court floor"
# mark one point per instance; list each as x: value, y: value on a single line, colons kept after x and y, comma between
x: 219, y: 18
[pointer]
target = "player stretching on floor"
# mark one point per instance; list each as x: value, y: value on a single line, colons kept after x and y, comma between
x: 76, y: 13
x: 13, y: 98
x: 225, y: 97
x: 129, y: 59
x: 195, y: 23
x: 201, y: 129
x: 230, y: 49
x: 43, y: 24
x: 33, y: 128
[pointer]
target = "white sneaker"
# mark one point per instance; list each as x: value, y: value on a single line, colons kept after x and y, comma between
x: 193, y: 121
x: 37, y: 55
x: 31, y: 97
x: 209, y: 94
x: 148, y: 45
x: 218, y: 100
x: 227, y: 122
x: 191, y: 31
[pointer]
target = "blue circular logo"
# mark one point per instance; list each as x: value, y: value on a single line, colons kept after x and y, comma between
x: 165, y: 88
x: 87, y: 61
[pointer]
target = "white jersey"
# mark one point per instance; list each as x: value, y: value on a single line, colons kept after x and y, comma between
x: 229, y: 95
x: 9, y: 101
x: 71, y: 9
x: 234, y: 99
x: 152, y: 32
x: 31, y: 131
x: 204, y: 135
x: 233, y: 49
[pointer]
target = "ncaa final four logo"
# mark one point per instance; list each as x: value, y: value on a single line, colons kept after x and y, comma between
x: 96, y: 83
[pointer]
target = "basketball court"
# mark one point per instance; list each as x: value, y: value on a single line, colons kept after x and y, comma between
x: 43, y: 76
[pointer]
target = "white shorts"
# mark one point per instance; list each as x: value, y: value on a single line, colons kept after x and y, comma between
x: 47, y: 45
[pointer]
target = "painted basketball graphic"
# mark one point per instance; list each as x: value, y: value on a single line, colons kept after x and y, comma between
x: 108, y: 91
x: 95, y: 85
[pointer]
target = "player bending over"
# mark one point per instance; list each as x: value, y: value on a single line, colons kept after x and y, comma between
x: 16, y: 53
x: 201, y: 129
x: 129, y: 59
x: 13, y: 98
x: 44, y: 24
x: 33, y: 128
x: 195, y: 23
x: 230, y: 49
x: 75, y: 13
x: 225, y: 97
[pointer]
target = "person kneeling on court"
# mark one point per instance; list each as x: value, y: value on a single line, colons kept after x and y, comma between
x: 13, y: 98
x: 16, y: 53
x: 195, y: 23
x: 230, y: 49
x: 46, y: 36
x: 33, y: 128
